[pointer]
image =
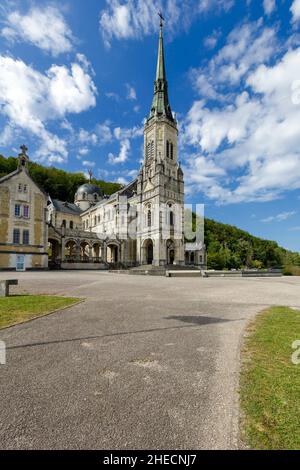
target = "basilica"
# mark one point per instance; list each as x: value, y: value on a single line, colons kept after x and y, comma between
x: 142, y: 224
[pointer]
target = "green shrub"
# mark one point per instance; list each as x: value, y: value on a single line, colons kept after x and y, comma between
x: 291, y: 270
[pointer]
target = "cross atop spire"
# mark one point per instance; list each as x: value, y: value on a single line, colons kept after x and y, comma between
x: 160, y: 104
x: 161, y: 19
x: 24, y: 149
x: 90, y: 174
x: 23, y: 158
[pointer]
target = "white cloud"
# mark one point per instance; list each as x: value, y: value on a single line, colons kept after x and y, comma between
x: 122, y: 133
x: 88, y: 163
x: 123, y: 154
x: 206, y: 5
x: 114, y: 96
x: 30, y: 99
x: 43, y: 27
x: 295, y: 10
x: 247, y: 46
x: 6, y: 135
x: 83, y: 151
x: 131, y: 93
x: 122, y: 180
x: 70, y: 91
x: 86, y: 137
x: 269, y: 6
x: 211, y: 41
x: 100, y: 135
x: 133, y: 19
x: 279, y: 217
x: 104, y: 133
x: 254, y: 141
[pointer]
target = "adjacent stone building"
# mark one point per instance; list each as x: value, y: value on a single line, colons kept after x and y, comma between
x: 23, y: 217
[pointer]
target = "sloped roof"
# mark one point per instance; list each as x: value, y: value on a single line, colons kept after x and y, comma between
x: 10, y: 175
x: 66, y: 207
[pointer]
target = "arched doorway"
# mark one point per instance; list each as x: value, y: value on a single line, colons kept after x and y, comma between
x: 84, y: 251
x: 97, y: 251
x: 147, y: 254
x: 70, y: 249
x: 170, y: 252
x: 54, y: 251
x: 112, y: 255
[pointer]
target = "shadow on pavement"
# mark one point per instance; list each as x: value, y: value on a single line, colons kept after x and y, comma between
x: 197, y: 320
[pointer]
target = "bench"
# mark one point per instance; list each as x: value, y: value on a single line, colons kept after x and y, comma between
x: 4, y: 286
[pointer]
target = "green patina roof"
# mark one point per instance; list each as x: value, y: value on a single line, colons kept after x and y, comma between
x: 160, y: 104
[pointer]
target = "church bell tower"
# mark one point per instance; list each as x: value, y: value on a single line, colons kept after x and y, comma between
x: 160, y: 182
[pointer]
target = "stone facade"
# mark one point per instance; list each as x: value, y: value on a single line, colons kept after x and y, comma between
x: 23, y: 227
x: 143, y: 223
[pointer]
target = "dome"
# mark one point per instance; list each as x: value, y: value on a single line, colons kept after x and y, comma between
x: 89, y: 189
x: 88, y: 195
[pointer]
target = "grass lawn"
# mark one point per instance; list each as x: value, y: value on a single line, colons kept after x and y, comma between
x: 270, y: 382
x: 19, y: 308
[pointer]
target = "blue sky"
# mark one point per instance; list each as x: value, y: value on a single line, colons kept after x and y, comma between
x: 77, y: 81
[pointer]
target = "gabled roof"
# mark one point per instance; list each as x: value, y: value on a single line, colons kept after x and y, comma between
x: 10, y: 175
x: 129, y: 189
x: 18, y: 171
x: 66, y: 207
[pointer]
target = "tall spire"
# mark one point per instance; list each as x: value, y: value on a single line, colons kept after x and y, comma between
x: 160, y: 104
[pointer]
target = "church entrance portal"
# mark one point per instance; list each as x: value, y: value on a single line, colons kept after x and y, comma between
x: 147, y: 252
x: 171, y: 256
x: 112, y: 254
x: 170, y: 252
x: 150, y: 253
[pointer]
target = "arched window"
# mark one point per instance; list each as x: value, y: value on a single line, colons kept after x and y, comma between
x: 149, y: 150
x: 83, y: 196
x: 168, y: 149
x: 171, y: 219
x: 71, y: 224
x: 149, y: 218
x: 171, y: 151
x: 95, y: 220
x: 95, y: 197
x: 152, y: 148
x: 64, y: 223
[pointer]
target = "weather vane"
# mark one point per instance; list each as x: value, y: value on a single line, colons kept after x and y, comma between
x: 161, y: 19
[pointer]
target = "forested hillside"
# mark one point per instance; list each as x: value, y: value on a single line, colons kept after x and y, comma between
x: 228, y: 247
x: 59, y: 184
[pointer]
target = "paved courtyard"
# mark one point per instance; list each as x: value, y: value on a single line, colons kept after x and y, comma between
x: 144, y: 362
